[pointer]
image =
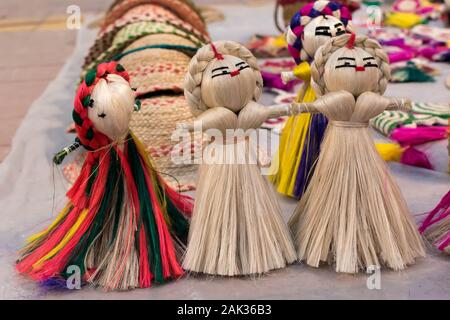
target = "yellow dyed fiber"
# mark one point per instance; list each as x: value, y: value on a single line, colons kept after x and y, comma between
x: 55, y: 223
x: 403, y: 20
x: 389, y: 151
x: 64, y: 241
x: 280, y: 41
x: 293, y: 137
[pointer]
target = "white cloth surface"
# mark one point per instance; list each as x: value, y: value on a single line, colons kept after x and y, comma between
x: 32, y: 191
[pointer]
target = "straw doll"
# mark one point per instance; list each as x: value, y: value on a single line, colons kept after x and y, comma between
x: 122, y: 226
x: 353, y: 213
x: 236, y: 228
x: 311, y: 27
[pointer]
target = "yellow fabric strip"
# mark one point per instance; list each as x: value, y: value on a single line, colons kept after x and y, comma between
x: 50, y: 228
x: 303, y: 71
x: 292, y: 142
x: 64, y: 241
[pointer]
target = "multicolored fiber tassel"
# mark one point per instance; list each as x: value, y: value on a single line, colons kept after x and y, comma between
x: 436, y: 226
x: 122, y: 225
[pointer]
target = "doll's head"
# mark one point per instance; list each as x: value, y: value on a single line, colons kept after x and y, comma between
x: 222, y: 74
x: 103, y: 106
x: 313, y: 25
x: 352, y: 63
x: 112, y: 106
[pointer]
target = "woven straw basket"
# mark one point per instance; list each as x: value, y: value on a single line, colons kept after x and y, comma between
x: 154, y: 125
x: 153, y: 70
x: 110, y: 41
x: 183, y: 10
x: 131, y: 33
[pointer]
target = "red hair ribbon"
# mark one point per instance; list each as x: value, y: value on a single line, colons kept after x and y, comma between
x: 216, y: 54
x: 351, y: 41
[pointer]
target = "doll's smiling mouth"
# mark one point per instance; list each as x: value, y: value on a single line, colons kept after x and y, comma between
x: 101, y: 115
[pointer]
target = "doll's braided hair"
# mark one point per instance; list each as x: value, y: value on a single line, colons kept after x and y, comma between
x: 294, y: 32
x: 371, y: 46
x: 87, y: 135
x: 198, y: 64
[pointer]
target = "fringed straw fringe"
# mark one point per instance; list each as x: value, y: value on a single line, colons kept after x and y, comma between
x: 236, y: 227
x: 353, y: 213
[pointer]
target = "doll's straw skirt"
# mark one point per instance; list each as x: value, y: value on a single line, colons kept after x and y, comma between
x: 233, y: 200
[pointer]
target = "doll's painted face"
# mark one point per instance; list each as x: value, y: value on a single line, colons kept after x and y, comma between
x: 353, y: 70
x: 111, y: 106
x: 228, y: 83
x: 320, y: 30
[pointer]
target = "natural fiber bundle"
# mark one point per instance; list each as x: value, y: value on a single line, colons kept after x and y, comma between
x: 156, y: 69
x: 299, y: 148
x: 436, y: 226
x: 122, y: 226
x: 128, y: 35
x: 353, y: 213
x: 179, y: 7
x: 237, y: 227
x: 154, y: 125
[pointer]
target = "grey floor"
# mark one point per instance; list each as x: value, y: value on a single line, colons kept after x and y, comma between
x: 32, y: 189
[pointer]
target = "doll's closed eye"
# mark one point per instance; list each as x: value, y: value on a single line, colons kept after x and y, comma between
x: 242, y: 65
x: 323, y: 31
x: 221, y: 71
x: 339, y: 29
x: 369, y: 62
x: 348, y: 62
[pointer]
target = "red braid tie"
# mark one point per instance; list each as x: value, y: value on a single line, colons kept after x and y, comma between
x: 216, y: 53
x: 351, y: 41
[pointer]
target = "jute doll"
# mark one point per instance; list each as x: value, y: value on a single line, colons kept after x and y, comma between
x: 310, y: 27
x: 236, y: 227
x: 122, y: 225
x: 353, y: 213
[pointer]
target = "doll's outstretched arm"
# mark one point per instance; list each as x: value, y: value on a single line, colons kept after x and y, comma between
x: 214, y: 118
x: 398, y: 104
x: 290, y: 109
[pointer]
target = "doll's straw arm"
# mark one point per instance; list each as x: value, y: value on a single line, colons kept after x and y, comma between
x: 303, y: 107
x: 277, y: 111
x: 59, y: 157
x: 214, y: 118
x: 399, y: 104
x: 291, y: 109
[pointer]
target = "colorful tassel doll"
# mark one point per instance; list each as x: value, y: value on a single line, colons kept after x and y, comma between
x: 353, y: 213
x: 122, y: 226
x: 236, y: 227
x: 311, y: 27
x: 436, y: 226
